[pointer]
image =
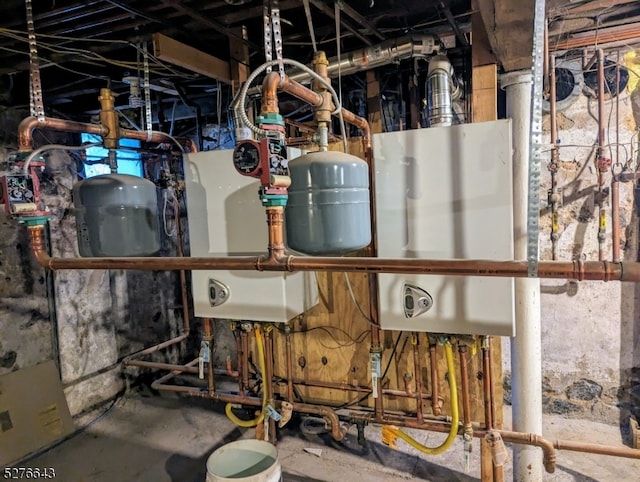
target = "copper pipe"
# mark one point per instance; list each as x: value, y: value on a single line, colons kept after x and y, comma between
x: 228, y: 368
x: 464, y: 386
x: 615, y: 182
x: 29, y: 124
x: 433, y: 364
x: 300, y: 91
x: 492, y: 395
x: 615, y: 217
x: 486, y: 385
x: 613, y: 451
x: 275, y: 223
x: 337, y: 432
x: 174, y: 373
x: 350, y: 118
x: 268, y: 380
x: 418, y: 376
x: 245, y: 359
x: 158, y: 365
x: 601, y: 119
x: 577, y: 270
x: 376, y: 347
x: 409, y: 392
x: 289, y: 356
x: 207, y: 328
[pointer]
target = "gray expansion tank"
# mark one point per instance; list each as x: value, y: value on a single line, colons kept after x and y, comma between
x: 116, y: 215
x: 328, y: 208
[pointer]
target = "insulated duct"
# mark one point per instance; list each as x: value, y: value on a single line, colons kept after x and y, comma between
x: 384, y: 53
x: 440, y: 87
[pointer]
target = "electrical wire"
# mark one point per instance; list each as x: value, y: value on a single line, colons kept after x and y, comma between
x: 355, y: 301
x: 243, y: 94
x: 326, y: 328
x: 50, y: 147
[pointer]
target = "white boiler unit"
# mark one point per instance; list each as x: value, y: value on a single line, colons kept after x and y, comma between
x: 445, y: 193
x: 226, y: 218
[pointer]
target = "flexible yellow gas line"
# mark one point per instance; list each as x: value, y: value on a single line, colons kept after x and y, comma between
x: 265, y: 385
x: 390, y: 431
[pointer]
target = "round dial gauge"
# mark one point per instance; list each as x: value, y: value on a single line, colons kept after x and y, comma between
x: 246, y: 157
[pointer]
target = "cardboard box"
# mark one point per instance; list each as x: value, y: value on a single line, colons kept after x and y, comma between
x: 33, y: 411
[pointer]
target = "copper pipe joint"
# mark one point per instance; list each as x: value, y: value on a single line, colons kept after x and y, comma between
x: 270, y: 86
x: 229, y: 368
x: 275, y: 222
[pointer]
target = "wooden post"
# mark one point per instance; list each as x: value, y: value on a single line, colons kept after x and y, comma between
x: 374, y: 112
x: 238, y: 59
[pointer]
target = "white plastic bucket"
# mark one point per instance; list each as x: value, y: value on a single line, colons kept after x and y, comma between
x: 244, y: 461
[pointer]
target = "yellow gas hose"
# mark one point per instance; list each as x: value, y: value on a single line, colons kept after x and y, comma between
x: 390, y: 430
x: 265, y: 395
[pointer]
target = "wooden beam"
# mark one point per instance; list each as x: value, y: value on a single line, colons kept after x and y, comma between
x: 239, y: 60
x: 328, y: 11
x: 177, y: 53
x: 374, y: 112
x: 206, y: 21
x: 481, y: 53
x: 509, y: 27
x: 361, y: 19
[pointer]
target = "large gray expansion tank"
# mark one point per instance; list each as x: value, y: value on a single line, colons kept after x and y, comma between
x: 328, y: 208
x: 116, y: 215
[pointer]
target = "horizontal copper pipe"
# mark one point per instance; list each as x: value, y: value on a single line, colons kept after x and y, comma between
x: 29, y: 124
x: 589, y: 448
x: 155, y: 348
x: 161, y: 366
x: 576, y: 270
x: 337, y: 431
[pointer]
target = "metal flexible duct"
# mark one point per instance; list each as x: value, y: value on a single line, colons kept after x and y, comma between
x: 440, y: 79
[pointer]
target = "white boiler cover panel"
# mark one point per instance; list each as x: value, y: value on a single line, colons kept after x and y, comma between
x: 226, y: 218
x: 445, y: 193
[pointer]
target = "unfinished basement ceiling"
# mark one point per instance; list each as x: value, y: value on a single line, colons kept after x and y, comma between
x: 72, y: 77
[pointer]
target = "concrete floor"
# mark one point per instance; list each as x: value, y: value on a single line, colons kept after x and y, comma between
x: 168, y: 439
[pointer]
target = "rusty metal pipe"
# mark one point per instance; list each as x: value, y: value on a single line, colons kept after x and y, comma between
x: 418, y: 376
x: 337, y: 431
x: 228, y: 368
x: 433, y: 365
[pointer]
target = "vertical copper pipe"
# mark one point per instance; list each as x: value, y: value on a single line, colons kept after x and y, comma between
x: 275, y: 223
x: 553, y: 165
x: 245, y: 358
x: 207, y: 328
x: 418, y: 376
x: 289, y: 355
x: 492, y: 395
x: 615, y: 181
x: 433, y: 362
x: 268, y: 380
x: 377, y: 348
x: 486, y: 384
x: 601, y: 164
x: 241, y: 363
x: 464, y: 386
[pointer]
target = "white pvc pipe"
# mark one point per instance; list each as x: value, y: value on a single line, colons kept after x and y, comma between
x: 526, y: 349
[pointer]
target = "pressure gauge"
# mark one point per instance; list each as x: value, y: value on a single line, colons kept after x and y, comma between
x: 246, y: 158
